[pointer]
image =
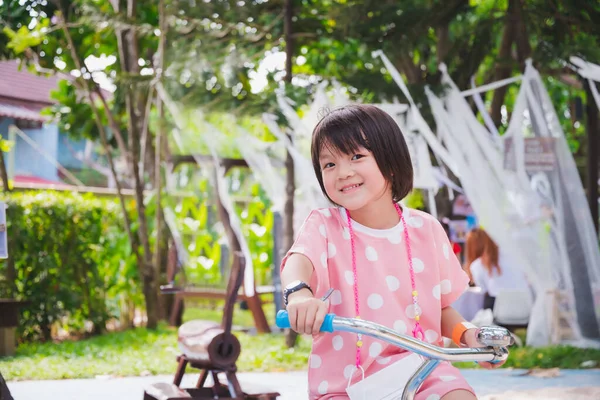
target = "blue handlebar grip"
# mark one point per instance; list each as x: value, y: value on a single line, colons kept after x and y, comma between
x: 282, y: 320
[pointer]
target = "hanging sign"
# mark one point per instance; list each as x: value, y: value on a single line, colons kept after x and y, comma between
x: 538, y: 154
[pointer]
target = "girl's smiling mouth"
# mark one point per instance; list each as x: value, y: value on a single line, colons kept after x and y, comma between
x: 350, y: 188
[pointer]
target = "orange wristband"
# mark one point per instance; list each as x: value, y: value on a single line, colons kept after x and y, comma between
x: 459, y: 329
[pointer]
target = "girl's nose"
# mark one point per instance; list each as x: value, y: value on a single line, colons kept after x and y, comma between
x: 345, y: 171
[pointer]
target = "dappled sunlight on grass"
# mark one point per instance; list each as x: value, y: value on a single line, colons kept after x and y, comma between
x: 141, y: 352
x: 135, y: 352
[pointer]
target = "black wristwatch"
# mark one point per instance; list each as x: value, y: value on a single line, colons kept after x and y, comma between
x: 294, y: 287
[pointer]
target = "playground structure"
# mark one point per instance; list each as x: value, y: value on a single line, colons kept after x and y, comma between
x: 176, y: 263
x: 207, y: 346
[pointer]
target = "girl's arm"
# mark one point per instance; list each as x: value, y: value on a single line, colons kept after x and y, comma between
x: 297, y: 268
x: 306, y: 313
x: 450, y: 320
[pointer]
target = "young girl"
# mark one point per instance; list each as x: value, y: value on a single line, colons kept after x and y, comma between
x: 385, y: 263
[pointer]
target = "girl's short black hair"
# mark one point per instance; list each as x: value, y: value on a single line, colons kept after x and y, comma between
x: 361, y: 125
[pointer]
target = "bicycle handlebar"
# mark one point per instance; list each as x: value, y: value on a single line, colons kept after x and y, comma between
x: 495, y: 338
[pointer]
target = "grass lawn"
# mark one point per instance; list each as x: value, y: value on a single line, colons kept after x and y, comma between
x: 140, y: 351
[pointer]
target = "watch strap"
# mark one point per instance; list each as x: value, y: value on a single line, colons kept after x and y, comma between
x: 299, y: 286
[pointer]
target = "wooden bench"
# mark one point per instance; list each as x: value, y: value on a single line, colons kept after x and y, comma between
x: 255, y: 302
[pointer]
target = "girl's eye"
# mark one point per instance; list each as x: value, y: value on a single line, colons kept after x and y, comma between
x: 357, y: 157
x: 328, y: 165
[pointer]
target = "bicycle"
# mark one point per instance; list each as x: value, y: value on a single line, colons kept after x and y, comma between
x: 496, y: 340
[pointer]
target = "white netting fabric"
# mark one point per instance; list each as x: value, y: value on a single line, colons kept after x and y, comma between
x: 591, y: 72
x: 541, y: 217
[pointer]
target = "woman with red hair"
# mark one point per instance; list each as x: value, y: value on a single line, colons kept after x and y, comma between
x: 489, y: 268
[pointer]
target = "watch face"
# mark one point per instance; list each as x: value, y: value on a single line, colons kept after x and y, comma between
x: 293, y: 284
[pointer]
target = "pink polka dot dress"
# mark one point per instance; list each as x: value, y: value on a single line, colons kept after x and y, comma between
x: 384, y: 294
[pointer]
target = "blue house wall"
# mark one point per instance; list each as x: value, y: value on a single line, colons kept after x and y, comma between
x: 29, y: 162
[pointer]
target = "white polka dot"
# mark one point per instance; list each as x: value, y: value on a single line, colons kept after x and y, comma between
x: 400, y: 326
x: 433, y: 397
x: 437, y: 292
x: 413, y: 310
x: 325, y: 212
x: 349, y: 370
x: 323, y: 387
x: 315, y: 361
x: 446, y: 286
x: 418, y: 265
x: 323, y: 231
x: 375, y: 349
x: 331, y: 250
x: 346, y: 233
x: 446, y: 250
x: 349, y: 275
x: 395, y: 237
x: 298, y: 249
x: 392, y: 283
x: 336, y: 298
x: 337, y: 342
x: 375, y: 301
x: 371, y: 254
x: 415, y: 222
x: 324, y: 260
x: 431, y: 336
x: 447, y: 378
x: 383, y: 360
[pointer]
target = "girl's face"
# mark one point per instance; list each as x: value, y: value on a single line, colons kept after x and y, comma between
x: 353, y: 180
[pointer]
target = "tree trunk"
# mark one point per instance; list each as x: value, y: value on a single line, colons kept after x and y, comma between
x: 128, y: 51
x: 593, y: 150
x: 3, y: 174
x: 134, y: 102
x: 443, y: 41
x: 411, y: 71
x: 290, y: 188
x: 521, y: 39
x: 503, y: 64
x: 159, y: 251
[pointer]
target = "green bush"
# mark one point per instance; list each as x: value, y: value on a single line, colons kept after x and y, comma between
x: 72, y: 260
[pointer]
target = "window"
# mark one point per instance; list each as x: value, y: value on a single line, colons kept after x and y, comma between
x: 28, y: 124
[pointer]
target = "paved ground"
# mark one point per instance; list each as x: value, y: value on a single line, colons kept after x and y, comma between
x: 501, y: 384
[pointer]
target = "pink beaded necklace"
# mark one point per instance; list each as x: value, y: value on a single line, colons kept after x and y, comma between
x: 417, y: 330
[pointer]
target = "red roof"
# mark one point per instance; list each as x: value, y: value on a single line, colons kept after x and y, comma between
x: 23, y: 85
x: 33, y: 179
x: 24, y: 94
x: 36, y: 181
x: 20, y: 112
